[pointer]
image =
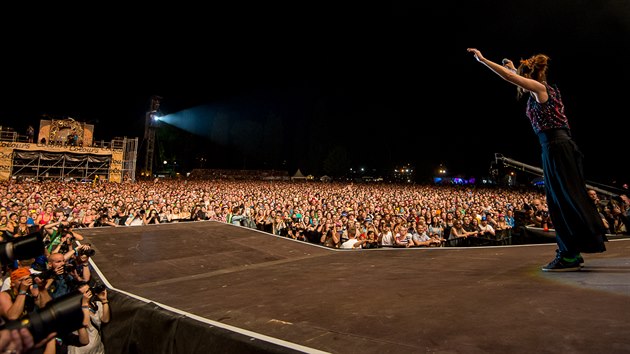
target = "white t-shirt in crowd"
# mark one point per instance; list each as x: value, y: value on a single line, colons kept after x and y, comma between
x: 350, y: 243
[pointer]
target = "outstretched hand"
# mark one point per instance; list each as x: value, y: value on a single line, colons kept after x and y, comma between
x: 476, y: 52
x: 506, y: 63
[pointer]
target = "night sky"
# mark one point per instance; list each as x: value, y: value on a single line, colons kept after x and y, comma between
x: 295, y: 86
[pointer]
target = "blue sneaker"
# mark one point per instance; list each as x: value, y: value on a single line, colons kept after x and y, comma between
x: 562, y: 264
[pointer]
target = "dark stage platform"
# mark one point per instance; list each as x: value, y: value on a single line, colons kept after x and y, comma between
x: 221, y: 288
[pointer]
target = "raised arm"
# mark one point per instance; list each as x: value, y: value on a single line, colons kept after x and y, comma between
x: 507, y: 72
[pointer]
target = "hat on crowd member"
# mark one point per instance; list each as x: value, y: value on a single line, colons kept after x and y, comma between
x: 18, y: 273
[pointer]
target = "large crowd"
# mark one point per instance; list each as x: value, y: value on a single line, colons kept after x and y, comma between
x: 377, y: 214
x: 321, y: 213
x: 336, y: 215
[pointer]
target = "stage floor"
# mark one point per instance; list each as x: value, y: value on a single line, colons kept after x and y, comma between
x: 435, y: 300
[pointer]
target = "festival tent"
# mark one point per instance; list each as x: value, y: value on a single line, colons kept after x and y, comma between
x: 298, y: 176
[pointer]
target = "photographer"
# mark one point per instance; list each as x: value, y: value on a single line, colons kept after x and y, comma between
x: 102, y: 219
x: 153, y: 218
x: 198, y: 213
x: 617, y: 211
x: 96, y: 312
x: 18, y: 301
x: 28, y: 312
x: 21, y: 263
x: 56, y: 231
x: 78, y: 262
x: 136, y: 217
x: 330, y: 236
x: 65, y: 244
x: 58, y: 281
x: 23, y: 295
x: 539, y: 214
x: 296, y: 229
x: 120, y: 216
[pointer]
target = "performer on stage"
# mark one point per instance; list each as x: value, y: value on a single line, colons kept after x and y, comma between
x: 578, y: 226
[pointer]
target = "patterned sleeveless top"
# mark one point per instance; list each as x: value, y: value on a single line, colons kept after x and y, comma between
x: 548, y: 115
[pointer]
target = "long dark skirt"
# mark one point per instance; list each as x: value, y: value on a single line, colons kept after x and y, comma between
x: 578, y: 225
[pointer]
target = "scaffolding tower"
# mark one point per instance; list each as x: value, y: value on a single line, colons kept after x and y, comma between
x: 149, y: 135
x: 65, y: 150
x: 40, y: 162
x: 130, y: 156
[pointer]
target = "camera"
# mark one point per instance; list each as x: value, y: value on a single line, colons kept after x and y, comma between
x: 98, y: 288
x: 68, y: 268
x: 64, y: 228
x: 64, y: 248
x: 88, y: 252
x: 25, y: 247
x: 49, y: 273
x: 62, y: 315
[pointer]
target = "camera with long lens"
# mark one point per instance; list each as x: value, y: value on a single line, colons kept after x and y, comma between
x: 48, y: 273
x: 90, y: 252
x: 25, y: 247
x: 51, y: 272
x: 62, y: 315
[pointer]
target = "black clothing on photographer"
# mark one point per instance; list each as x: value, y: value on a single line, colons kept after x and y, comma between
x: 62, y: 284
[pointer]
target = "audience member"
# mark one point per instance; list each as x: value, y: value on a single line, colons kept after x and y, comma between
x: 59, y: 282
x: 96, y: 311
x: 352, y: 242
